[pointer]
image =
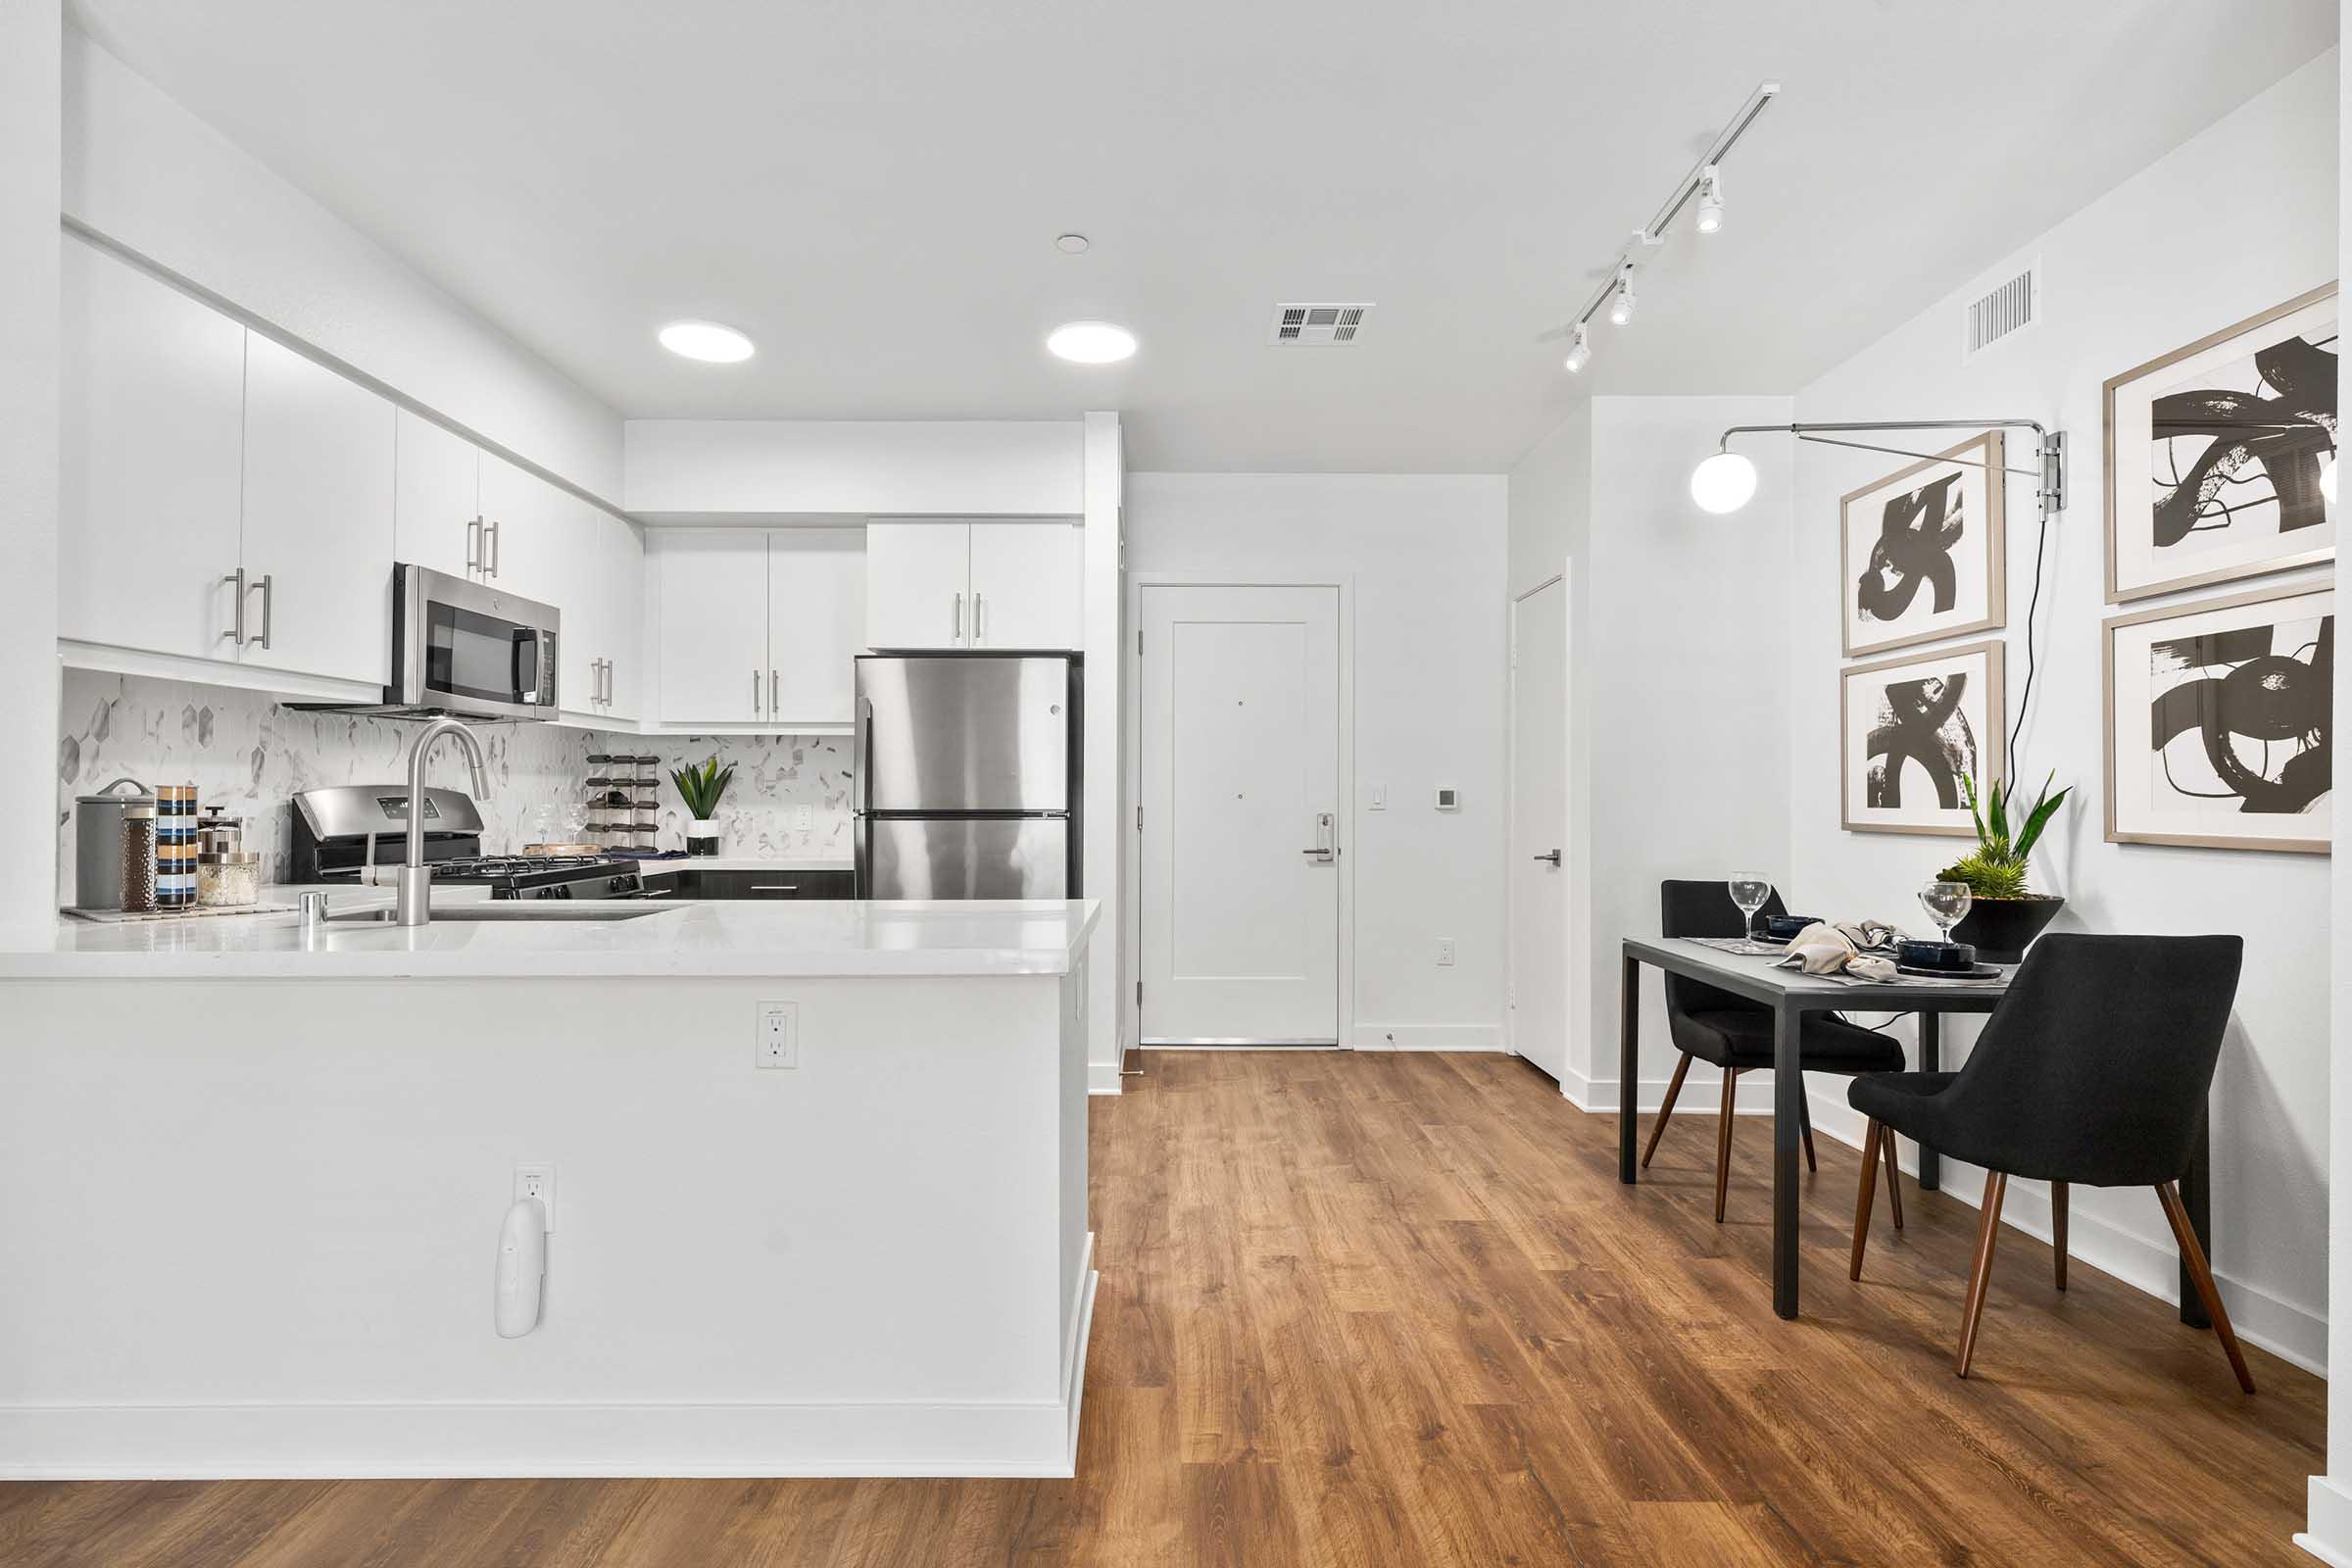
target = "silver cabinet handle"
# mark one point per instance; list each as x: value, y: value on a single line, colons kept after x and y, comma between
x: 490, y: 549
x: 1553, y: 856
x: 775, y: 886
x: 755, y: 694
x: 1324, y: 849
x: 473, y: 543
x: 773, y: 705
x: 236, y: 631
x: 268, y: 590
x: 609, y: 669
x: 959, y: 617
x: 979, y: 620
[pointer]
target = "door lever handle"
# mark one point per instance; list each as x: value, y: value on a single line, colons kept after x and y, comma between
x: 1324, y: 849
x: 1553, y: 856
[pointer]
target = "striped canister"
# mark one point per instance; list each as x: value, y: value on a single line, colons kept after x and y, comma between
x: 175, y: 847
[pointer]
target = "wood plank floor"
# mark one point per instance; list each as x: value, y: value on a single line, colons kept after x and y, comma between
x: 1373, y: 1309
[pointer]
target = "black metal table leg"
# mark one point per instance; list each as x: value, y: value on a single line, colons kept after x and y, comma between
x: 2196, y: 1197
x: 1787, y: 1085
x: 1931, y: 1059
x: 1629, y: 1072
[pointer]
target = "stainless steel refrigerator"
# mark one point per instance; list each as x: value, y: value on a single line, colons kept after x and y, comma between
x: 966, y: 775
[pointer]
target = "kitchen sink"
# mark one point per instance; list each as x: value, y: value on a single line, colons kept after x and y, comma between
x: 522, y: 910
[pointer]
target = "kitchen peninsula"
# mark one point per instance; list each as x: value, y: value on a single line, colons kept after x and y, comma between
x: 275, y: 1164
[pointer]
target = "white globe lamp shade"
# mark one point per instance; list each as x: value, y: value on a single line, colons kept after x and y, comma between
x: 1722, y: 483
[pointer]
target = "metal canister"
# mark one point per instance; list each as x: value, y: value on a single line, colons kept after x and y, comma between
x: 136, y: 850
x: 176, y: 846
x: 98, y: 842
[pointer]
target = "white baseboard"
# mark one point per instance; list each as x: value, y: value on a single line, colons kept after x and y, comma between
x: 2292, y: 1333
x: 1428, y: 1037
x: 409, y: 1442
x: 1102, y: 1078
x: 1702, y: 1093
x: 2329, y: 1517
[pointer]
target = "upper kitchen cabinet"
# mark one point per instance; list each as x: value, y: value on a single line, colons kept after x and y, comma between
x: 596, y: 581
x: 622, y: 600
x: 968, y: 584
x: 528, y: 526
x: 757, y: 628
x: 153, y: 387
x: 816, y: 596
x: 436, y: 503
x: 317, y: 519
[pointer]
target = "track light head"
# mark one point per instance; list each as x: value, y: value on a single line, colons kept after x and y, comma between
x: 1580, y: 351
x: 1621, y: 307
x: 1710, y: 200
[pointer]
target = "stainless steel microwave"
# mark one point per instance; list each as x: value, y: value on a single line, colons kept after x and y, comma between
x: 466, y: 647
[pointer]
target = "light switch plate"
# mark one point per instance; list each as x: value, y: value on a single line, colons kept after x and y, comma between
x: 1380, y: 798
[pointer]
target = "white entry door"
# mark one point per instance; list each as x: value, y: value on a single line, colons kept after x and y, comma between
x: 1238, y: 747
x: 1539, y: 827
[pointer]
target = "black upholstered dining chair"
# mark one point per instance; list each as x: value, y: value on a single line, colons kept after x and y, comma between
x: 2092, y: 1070
x: 1734, y: 1033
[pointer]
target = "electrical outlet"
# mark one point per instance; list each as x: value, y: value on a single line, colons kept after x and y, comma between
x: 777, y: 1041
x: 538, y: 1181
x: 803, y: 817
x: 1444, y: 953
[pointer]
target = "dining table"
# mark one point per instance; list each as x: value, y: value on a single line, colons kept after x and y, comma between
x: 1788, y: 994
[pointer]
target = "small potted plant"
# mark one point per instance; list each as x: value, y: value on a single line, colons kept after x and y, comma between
x: 2002, y: 915
x: 700, y: 786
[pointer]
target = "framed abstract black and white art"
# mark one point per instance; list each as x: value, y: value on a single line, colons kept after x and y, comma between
x: 1912, y: 729
x: 2220, y: 455
x: 1923, y: 556
x: 2219, y: 723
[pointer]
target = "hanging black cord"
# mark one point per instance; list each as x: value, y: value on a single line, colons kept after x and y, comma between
x: 2024, y: 697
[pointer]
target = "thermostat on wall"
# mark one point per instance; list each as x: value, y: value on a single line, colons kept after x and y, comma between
x: 1450, y: 798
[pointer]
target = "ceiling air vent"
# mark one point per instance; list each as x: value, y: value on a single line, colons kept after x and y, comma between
x: 2002, y: 311
x: 1319, y: 325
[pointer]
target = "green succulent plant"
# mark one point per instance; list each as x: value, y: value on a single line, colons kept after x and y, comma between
x: 1996, y: 867
x: 700, y: 785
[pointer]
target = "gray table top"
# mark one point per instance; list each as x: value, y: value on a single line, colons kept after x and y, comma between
x: 1757, y: 979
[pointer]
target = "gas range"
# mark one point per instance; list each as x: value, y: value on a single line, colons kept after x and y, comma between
x: 343, y: 832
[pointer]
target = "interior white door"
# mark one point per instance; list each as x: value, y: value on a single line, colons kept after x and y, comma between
x: 153, y: 404
x: 317, y: 518
x: 436, y: 501
x: 1240, y: 753
x: 918, y: 584
x: 714, y: 626
x: 1026, y: 585
x: 1539, y: 828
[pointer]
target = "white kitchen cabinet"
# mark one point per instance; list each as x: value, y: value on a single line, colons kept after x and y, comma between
x: 153, y: 395
x: 969, y: 584
x: 918, y: 584
x: 714, y: 626
x: 602, y: 601
x: 316, y: 542
x: 436, y: 497
x: 1027, y: 585
x: 528, y: 528
x: 623, y: 600
x: 817, y: 599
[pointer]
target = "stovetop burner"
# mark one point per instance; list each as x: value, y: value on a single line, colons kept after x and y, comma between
x: 492, y: 866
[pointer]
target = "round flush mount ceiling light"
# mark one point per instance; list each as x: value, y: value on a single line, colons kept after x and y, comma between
x: 1071, y: 244
x: 1091, y: 343
x: 1722, y: 483
x: 707, y: 341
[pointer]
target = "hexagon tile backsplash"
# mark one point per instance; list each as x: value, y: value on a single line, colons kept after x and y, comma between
x: 250, y: 756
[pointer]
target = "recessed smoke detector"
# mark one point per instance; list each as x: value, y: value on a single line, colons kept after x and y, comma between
x: 1071, y: 244
x: 1319, y: 325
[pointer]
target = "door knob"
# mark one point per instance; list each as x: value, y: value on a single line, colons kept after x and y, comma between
x: 1553, y: 856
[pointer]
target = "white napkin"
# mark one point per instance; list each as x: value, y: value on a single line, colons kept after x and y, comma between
x: 1824, y: 949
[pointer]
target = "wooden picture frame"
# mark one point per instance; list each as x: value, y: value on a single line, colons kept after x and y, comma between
x: 2137, y: 810
x: 1981, y: 707
x: 2173, y: 556
x: 1888, y: 553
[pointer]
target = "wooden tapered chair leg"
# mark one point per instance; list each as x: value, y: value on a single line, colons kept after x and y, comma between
x: 2195, y: 1256
x: 1895, y: 1177
x: 1870, y: 1174
x: 1723, y: 1141
x: 1980, y: 1271
x: 1804, y: 1124
x: 1673, y: 1088
x: 2058, y: 1196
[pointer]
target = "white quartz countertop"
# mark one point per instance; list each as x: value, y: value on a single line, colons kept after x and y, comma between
x: 739, y: 863
x: 817, y: 938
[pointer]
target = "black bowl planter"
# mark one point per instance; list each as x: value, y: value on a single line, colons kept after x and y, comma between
x: 2000, y: 928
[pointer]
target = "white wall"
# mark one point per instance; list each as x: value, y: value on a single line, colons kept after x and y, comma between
x: 30, y: 131
x: 858, y: 468
x: 2125, y: 280
x: 149, y: 175
x: 1104, y: 872
x: 1425, y: 555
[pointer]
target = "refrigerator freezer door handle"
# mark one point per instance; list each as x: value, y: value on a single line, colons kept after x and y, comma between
x: 861, y: 761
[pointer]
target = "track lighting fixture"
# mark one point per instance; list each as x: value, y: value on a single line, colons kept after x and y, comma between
x: 1710, y: 201
x: 1580, y: 351
x: 1621, y: 308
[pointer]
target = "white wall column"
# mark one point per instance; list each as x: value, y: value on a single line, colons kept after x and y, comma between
x: 1105, y: 845
x: 30, y: 157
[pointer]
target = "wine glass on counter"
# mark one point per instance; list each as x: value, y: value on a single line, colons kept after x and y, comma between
x: 1947, y: 903
x: 1748, y: 891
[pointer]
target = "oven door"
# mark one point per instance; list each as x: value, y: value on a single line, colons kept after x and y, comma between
x: 460, y: 647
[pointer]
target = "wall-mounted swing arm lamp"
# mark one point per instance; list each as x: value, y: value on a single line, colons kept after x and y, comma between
x: 1726, y: 481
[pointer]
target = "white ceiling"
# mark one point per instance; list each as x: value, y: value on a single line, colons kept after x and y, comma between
x: 872, y: 189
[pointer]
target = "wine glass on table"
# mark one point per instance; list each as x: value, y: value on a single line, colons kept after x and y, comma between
x: 1748, y: 891
x: 1947, y: 903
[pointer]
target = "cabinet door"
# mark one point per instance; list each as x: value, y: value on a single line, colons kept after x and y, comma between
x: 623, y: 598
x: 153, y: 394
x: 533, y: 526
x: 568, y: 563
x: 816, y: 582
x: 317, y: 518
x: 918, y: 584
x: 436, y: 497
x: 1026, y: 585
x: 714, y: 626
